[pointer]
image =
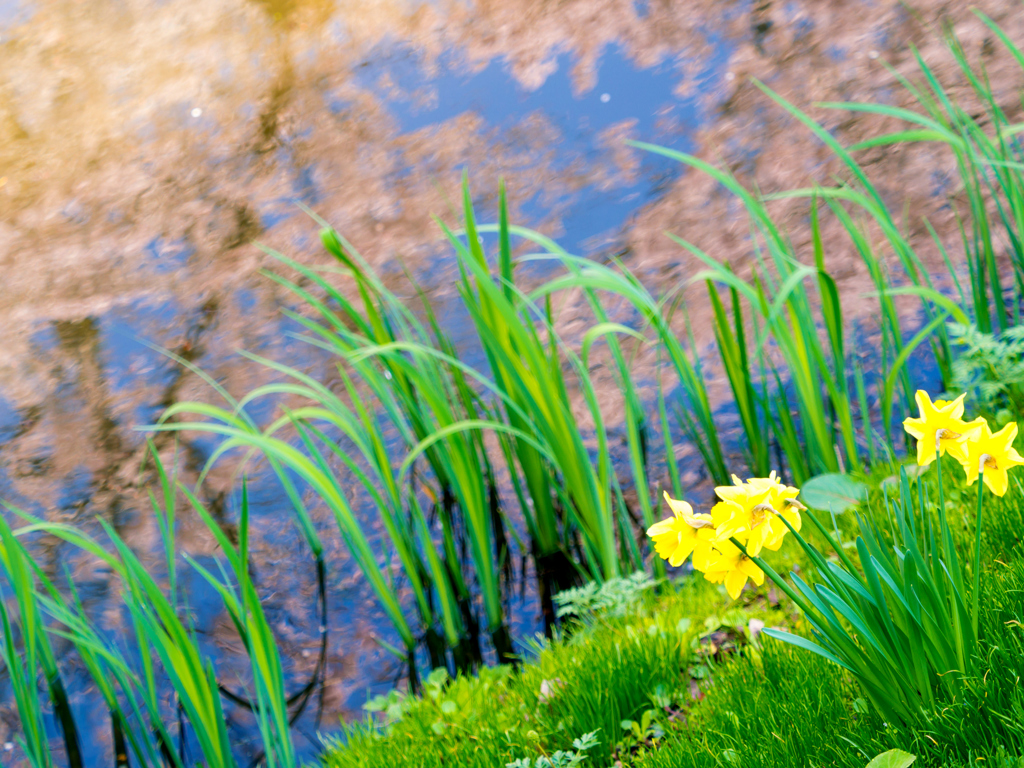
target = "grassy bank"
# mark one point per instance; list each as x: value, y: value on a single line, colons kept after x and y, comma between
x: 683, y: 676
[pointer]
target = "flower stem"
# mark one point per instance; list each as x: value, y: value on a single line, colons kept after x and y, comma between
x: 952, y: 564
x: 948, y: 550
x: 976, y: 597
x: 942, y: 500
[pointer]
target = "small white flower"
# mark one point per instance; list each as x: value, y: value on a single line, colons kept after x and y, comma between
x: 548, y: 689
x: 754, y: 627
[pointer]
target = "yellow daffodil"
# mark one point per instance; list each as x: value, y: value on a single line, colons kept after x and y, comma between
x: 731, y: 515
x: 676, y: 537
x: 940, y: 429
x: 726, y: 564
x: 993, y: 455
x: 772, y: 481
x: 751, y: 512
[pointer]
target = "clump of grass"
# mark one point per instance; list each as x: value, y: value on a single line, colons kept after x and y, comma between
x: 158, y: 653
x: 611, y: 670
x: 986, y: 721
x: 782, y: 709
x: 772, y: 705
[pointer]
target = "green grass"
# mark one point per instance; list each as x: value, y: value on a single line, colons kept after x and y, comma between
x: 783, y: 709
x: 161, y: 637
x: 771, y: 705
x: 612, y: 671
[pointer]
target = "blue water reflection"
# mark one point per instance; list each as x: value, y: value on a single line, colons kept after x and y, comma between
x: 645, y: 101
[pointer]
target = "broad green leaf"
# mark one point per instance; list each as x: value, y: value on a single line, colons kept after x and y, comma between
x: 833, y: 492
x: 894, y: 758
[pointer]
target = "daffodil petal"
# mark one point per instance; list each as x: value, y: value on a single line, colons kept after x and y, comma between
x: 734, y: 583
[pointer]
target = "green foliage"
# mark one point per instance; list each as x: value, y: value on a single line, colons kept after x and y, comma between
x: 640, y: 737
x: 991, y: 705
x: 778, y: 296
x: 902, y: 622
x: 23, y: 664
x: 613, y: 597
x: 990, y: 367
x: 160, y: 636
x: 778, y: 709
x: 534, y: 371
x: 607, y: 673
x: 894, y: 758
x: 444, y: 703
x: 561, y: 758
x: 986, y: 151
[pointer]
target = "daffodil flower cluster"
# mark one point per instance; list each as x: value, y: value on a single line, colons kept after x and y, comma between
x: 752, y: 514
x: 940, y: 429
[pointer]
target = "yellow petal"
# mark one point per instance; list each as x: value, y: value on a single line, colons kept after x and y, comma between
x: 925, y: 451
x: 793, y: 518
x: 970, y: 470
x: 751, y: 569
x: 705, y: 559
x: 730, y: 519
x: 679, y: 556
x: 924, y: 403
x: 661, y: 527
x: 954, y: 448
x: 678, y: 506
x: 971, y: 429
x: 1006, y: 435
x: 758, y: 537
x: 996, y: 480
x: 1013, y: 458
x: 732, y: 493
x: 956, y: 408
x: 734, y: 583
x: 666, y: 544
x: 914, y: 427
